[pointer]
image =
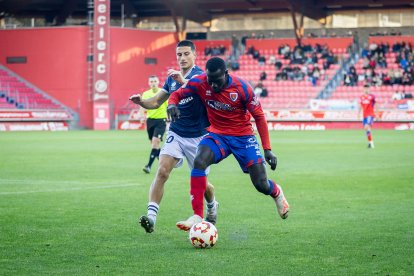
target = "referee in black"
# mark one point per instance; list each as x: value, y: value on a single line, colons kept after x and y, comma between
x: 156, y: 122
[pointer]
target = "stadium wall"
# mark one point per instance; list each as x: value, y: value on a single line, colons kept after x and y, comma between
x: 57, y: 62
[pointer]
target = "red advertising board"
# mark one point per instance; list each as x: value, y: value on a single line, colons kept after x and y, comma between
x: 307, y: 126
x: 34, y: 126
x: 348, y: 116
x: 312, y: 120
x: 35, y: 115
x: 101, y: 61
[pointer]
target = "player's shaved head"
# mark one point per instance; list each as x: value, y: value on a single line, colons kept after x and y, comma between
x: 217, y: 75
x: 214, y: 64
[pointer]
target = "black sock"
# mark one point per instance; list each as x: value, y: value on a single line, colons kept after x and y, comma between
x: 153, y: 155
x: 158, y: 153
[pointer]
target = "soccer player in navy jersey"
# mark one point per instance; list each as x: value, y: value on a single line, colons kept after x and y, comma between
x: 183, y: 136
x: 230, y: 102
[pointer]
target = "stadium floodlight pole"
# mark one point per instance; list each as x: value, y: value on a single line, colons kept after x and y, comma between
x: 122, y: 16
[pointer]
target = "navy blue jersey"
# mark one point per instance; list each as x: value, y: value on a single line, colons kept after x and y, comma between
x: 193, y: 116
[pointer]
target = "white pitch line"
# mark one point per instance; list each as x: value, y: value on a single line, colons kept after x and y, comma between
x: 43, y: 181
x: 70, y: 189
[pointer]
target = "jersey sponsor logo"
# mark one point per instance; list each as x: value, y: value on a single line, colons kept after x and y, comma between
x: 219, y: 105
x: 234, y: 96
x: 186, y: 100
x: 255, y: 146
x: 251, y: 140
x: 255, y: 101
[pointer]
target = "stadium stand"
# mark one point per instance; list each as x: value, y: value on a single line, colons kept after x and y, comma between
x: 290, y: 92
x: 16, y: 93
x: 388, y: 69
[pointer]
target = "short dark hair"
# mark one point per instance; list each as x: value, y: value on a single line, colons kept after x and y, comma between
x: 186, y: 43
x: 366, y: 85
x: 215, y: 63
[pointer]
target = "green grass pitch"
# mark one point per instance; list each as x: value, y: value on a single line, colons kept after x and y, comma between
x: 69, y: 203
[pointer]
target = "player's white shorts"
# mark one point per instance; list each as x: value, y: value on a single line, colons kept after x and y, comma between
x: 180, y: 147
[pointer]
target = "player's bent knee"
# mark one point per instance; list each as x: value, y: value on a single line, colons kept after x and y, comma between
x: 200, y: 164
x: 163, y: 173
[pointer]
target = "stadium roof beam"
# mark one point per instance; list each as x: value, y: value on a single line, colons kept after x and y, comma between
x: 68, y: 7
x: 299, y: 30
x: 310, y: 9
x: 129, y: 9
x: 365, y: 4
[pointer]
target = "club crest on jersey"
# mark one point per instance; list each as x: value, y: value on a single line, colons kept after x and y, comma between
x: 208, y: 93
x: 234, y: 96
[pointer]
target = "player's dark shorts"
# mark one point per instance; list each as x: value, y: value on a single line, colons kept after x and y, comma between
x: 368, y: 120
x: 246, y: 149
x: 156, y: 128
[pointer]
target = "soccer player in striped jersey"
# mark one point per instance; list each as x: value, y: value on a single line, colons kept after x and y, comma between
x: 183, y: 136
x: 230, y: 103
x: 367, y: 103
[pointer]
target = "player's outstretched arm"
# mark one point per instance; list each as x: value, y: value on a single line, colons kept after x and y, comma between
x: 150, y: 103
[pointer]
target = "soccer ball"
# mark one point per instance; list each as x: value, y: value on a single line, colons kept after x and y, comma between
x: 203, y: 235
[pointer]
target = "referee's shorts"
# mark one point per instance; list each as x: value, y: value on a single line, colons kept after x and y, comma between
x: 156, y: 128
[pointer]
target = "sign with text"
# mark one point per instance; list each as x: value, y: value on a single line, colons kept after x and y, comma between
x: 35, y: 115
x: 101, y: 61
x: 34, y: 126
x: 101, y: 116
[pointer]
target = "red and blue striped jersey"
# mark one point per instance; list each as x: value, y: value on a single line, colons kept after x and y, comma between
x: 230, y: 110
x: 367, y: 102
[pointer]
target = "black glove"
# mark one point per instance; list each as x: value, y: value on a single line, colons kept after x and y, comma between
x: 173, y: 112
x: 271, y: 159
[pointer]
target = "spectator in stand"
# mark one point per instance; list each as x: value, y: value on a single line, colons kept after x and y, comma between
x: 263, y: 75
x: 382, y: 61
x: 397, y: 96
x: 365, y: 63
x: 235, y: 46
x: 398, y: 76
x: 207, y: 51
x: 403, y: 63
x: 262, y: 60
x: 372, y: 64
x: 233, y: 63
x: 256, y: 54
x: 250, y: 50
x: 386, y: 80
x: 272, y: 59
x: 407, y: 79
x: 260, y: 90
x: 365, y: 52
x: 278, y: 64
x: 215, y: 51
x: 222, y: 49
x: 315, y: 76
x: 243, y: 41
